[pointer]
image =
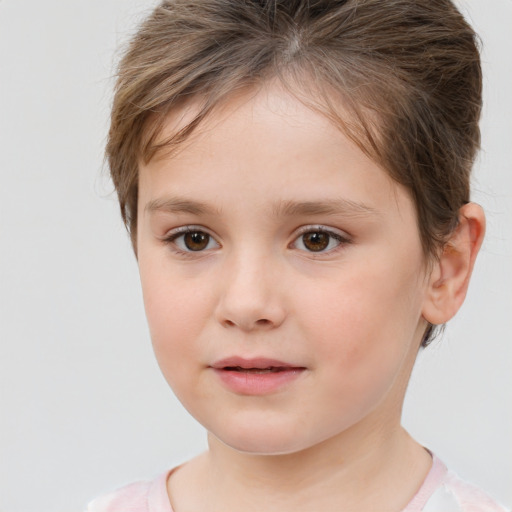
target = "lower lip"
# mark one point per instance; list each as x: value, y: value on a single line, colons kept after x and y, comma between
x: 252, y: 383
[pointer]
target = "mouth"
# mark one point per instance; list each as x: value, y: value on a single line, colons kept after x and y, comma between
x: 258, y: 376
x: 254, y: 365
x: 270, y: 369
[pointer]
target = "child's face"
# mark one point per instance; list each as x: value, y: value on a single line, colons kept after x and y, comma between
x: 271, y: 240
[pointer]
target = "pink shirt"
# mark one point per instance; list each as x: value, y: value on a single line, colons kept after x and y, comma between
x: 441, y: 491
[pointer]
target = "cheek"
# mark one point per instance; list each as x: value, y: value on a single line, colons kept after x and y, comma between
x: 365, y: 321
x: 176, y: 312
x: 359, y: 352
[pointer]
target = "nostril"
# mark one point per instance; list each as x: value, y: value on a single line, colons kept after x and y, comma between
x: 263, y: 322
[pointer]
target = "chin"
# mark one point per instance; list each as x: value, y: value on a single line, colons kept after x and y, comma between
x: 264, y: 441
x: 262, y: 447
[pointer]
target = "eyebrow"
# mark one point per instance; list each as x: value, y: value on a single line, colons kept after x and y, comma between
x: 286, y: 208
x: 180, y: 205
x: 344, y: 207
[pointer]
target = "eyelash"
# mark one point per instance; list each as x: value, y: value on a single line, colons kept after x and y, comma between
x: 342, y: 240
x: 171, y: 238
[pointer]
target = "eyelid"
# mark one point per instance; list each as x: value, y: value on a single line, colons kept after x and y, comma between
x: 342, y: 237
x: 324, y: 229
x: 185, y: 229
x: 173, y: 234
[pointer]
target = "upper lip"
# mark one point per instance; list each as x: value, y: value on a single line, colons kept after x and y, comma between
x: 255, y: 362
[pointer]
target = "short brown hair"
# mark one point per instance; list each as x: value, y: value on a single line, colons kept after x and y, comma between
x: 402, y: 78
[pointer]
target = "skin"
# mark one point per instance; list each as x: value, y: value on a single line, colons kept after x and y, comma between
x: 351, y: 315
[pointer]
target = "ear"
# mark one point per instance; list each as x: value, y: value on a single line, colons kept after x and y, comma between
x: 449, y: 279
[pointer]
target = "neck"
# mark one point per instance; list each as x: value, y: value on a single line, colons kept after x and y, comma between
x: 354, y: 472
x: 289, y: 472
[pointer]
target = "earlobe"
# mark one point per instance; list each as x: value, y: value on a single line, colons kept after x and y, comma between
x: 449, y: 279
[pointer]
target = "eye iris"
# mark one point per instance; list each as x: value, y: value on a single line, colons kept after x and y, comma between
x: 196, y: 240
x: 316, y: 241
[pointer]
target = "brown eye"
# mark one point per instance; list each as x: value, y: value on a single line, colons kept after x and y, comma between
x: 189, y: 239
x: 320, y: 240
x: 316, y: 241
x: 196, y: 240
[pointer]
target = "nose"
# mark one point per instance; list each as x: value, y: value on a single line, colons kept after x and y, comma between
x: 251, y: 296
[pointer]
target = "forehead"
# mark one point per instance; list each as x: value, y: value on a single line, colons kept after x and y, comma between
x: 268, y: 143
x: 288, y: 94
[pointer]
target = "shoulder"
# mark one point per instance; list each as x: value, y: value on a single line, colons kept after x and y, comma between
x: 146, y: 496
x: 468, y: 496
x: 444, y: 491
x: 131, y: 498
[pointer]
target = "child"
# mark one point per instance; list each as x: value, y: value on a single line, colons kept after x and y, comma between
x: 295, y: 178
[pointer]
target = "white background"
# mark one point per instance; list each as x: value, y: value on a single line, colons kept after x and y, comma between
x: 83, y: 408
